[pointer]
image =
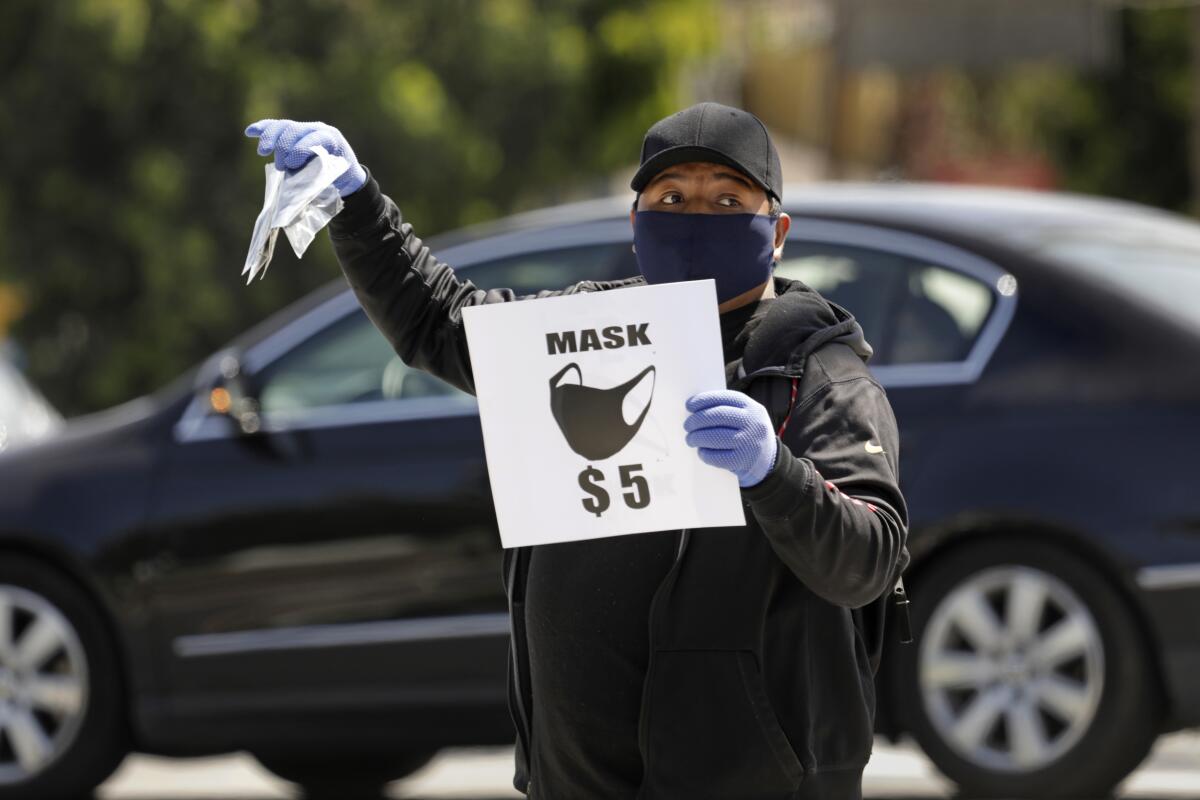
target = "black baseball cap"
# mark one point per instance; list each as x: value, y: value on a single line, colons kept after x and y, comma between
x: 711, y: 132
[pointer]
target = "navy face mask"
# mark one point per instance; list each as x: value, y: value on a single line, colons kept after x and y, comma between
x: 736, y: 250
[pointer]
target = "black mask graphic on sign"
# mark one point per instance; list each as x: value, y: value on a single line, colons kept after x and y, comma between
x: 591, y: 418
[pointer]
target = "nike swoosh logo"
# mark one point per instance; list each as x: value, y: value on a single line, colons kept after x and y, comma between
x: 872, y: 448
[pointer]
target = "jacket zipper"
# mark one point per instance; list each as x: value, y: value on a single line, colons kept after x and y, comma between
x: 644, y: 716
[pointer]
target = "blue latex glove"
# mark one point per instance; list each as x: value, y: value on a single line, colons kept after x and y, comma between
x: 290, y: 142
x: 732, y: 431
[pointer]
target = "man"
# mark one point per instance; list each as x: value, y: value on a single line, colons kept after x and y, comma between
x: 739, y: 662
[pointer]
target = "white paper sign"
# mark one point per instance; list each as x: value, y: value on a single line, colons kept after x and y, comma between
x: 581, y: 399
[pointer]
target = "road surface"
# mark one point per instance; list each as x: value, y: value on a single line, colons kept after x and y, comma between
x: 1171, y: 771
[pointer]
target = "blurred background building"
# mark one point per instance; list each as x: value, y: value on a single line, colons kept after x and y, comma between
x: 865, y: 88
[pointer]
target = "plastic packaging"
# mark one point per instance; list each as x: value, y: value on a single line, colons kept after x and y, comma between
x: 299, y: 203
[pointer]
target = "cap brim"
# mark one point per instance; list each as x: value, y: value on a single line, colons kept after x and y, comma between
x: 681, y: 154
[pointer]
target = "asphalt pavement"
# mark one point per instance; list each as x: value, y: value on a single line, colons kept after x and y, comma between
x: 1172, y: 771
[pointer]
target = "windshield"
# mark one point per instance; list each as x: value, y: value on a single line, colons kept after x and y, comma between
x: 1158, y: 262
x: 25, y: 415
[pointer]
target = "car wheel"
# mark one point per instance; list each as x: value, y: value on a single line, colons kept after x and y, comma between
x: 62, y: 716
x: 343, y: 776
x: 1028, y: 676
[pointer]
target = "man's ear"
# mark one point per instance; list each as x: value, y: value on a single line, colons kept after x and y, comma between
x: 782, y: 225
x: 631, y: 224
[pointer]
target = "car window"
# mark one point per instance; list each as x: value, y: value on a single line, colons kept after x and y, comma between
x: 555, y: 269
x: 939, y: 316
x: 351, y: 362
x: 910, y: 311
x: 864, y: 282
x: 348, y: 362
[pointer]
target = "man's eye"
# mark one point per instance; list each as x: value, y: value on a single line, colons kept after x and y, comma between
x: 669, y: 198
x: 733, y: 203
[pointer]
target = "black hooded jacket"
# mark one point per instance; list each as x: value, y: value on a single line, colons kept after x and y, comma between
x: 764, y: 638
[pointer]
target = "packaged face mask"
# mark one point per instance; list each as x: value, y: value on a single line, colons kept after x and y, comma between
x: 301, y: 203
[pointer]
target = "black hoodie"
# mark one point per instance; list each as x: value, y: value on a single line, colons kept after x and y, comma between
x: 764, y: 638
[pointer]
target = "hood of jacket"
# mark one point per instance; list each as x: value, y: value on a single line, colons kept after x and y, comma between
x: 797, y: 322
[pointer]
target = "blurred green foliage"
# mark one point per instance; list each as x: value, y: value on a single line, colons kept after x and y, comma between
x: 1124, y: 132
x: 1120, y: 131
x: 129, y: 190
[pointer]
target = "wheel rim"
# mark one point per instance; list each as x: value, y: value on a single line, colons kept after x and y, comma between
x: 1011, y: 668
x: 43, y: 684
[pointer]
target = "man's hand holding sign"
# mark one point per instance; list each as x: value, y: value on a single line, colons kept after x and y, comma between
x: 649, y: 659
x: 733, y: 431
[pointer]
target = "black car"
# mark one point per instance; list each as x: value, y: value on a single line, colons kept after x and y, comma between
x: 292, y: 550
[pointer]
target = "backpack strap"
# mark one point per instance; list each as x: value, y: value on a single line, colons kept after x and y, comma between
x: 778, y: 396
x: 791, y: 404
x: 900, y: 599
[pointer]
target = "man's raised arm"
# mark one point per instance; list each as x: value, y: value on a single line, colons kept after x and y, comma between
x: 414, y: 299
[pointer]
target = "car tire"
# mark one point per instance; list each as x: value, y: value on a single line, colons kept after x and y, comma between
x: 1074, y: 701
x: 343, y: 776
x: 63, y: 694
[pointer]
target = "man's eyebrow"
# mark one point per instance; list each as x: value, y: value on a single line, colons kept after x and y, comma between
x: 662, y: 176
x: 734, y: 176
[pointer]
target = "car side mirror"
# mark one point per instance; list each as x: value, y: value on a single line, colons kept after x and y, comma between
x: 235, y: 394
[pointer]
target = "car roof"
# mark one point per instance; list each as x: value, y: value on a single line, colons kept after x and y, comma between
x: 1008, y: 216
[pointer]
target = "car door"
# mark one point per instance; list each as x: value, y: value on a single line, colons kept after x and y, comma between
x: 933, y: 313
x: 346, y: 558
